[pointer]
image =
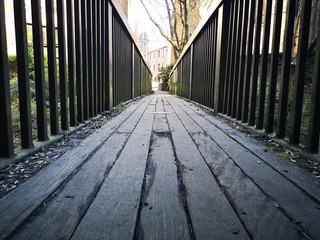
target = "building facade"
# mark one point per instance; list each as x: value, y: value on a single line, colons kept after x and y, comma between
x: 158, y: 59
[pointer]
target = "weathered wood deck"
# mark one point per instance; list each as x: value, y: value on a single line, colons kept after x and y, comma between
x: 164, y: 169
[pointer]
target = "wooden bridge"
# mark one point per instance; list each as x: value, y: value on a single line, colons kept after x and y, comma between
x: 164, y: 169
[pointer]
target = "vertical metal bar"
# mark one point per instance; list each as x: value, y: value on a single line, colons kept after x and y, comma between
x: 242, y: 59
x: 90, y: 59
x: 237, y: 56
x: 286, y: 66
x: 314, y: 121
x: 85, y: 78
x: 107, y: 39
x: 52, y: 68
x: 222, y: 39
x: 110, y: 54
x: 79, y: 83
x: 71, y: 63
x: 274, y: 67
x: 23, y: 74
x: 115, y: 60
x: 6, y: 140
x: 133, y: 69
x: 253, y: 101
x: 94, y: 60
x: 233, y: 55
x: 228, y: 62
x: 264, y: 65
x: 248, y: 66
x: 300, y: 71
x: 62, y: 65
x: 39, y: 70
x: 99, y: 68
x: 103, y: 54
x: 214, y: 56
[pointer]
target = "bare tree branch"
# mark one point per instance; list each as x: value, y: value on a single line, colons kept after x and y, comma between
x: 175, y: 46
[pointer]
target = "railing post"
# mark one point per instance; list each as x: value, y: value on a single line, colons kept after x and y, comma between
x: 191, y: 70
x: 90, y: 59
x: 39, y: 70
x: 232, y: 56
x: 62, y: 65
x: 23, y: 74
x: 242, y: 59
x: 248, y: 64
x: 85, y: 63
x: 6, y: 140
x: 133, y: 70
x: 300, y: 71
x: 228, y: 58
x: 110, y: 55
x: 235, y: 67
x: 264, y: 65
x: 99, y: 66
x: 52, y: 68
x: 286, y: 66
x: 222, y: 45
x: 256, y: 62
x: 314, y: 122
x: 103, y: 54
x: 94, y: 57
x: 71, y: 63
x: 274, y: 67
x: 79, y: 82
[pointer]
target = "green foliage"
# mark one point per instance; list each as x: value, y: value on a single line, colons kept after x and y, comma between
x: 122, y: 105
x: 14, y: 91
x: 284, y: 155
x: 165, y: 76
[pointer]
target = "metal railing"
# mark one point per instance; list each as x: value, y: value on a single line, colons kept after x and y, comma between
x: 236, y: 65
x: 99, y: 66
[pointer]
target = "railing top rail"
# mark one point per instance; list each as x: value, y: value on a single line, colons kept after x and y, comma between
x: 124, y: 20
x: 215, y: 7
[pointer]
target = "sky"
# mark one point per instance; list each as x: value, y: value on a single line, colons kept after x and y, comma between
x: 140, y: 22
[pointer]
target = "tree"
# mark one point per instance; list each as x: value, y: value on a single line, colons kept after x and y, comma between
x: 182, y: 17
x: 165, y: 76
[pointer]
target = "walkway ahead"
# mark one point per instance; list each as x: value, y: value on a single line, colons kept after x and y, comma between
x: 164, y: 169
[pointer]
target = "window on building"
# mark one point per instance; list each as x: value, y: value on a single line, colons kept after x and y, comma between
x: 159, y: 53
x: 158, y: 66
x: 154, y: 67
x: 154, y: 54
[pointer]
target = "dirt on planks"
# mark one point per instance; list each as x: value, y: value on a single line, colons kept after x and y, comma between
x: 293, y: 154
x: 15, y: 174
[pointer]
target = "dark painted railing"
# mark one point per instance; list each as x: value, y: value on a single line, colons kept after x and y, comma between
x: 100, y: 65
x: 228, y: 67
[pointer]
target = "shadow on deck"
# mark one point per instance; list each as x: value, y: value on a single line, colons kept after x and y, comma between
x: 164, y: 169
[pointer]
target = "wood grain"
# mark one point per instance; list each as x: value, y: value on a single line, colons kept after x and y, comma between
x: 211, y: 214
x: 299, y: 207
x: 113, y: 214
x: 20, y: 203
x: 64, y: 211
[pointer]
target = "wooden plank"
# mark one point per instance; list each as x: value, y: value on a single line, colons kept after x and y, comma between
x: 154, y: 101
x: 298, y: 206
x: 113, y: 214
x: 160, y: 123
x: 20, y: 203
x: 290, y: 170
x: 61, y: 215
x: 189, y: 124
x: 162, y: 213
x: 253, y: 207
x: 131, y: 122
x: 211, y: 214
